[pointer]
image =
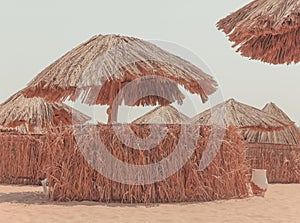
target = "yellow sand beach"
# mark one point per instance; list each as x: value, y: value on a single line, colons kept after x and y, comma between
x: 26, y: 204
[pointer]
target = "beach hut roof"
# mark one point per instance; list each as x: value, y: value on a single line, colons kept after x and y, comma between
x: 112, y: 61
x: 273, y: 109
x: 267, y: 30
x: 34, y: 115
x: 163, y: 114
x: 239, y: 115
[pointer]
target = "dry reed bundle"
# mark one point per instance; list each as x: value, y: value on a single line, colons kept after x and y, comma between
x: 35, y: 115
x: 72, y: 178
x: 266, y: 30
x: 282, y: 162
x: 163, y: 114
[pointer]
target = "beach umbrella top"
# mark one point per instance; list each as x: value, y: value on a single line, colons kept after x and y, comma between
x: 112, y: 61
x: 34, y: 115
x: 266, y: 30
x: 163, y: 114
x: 273, y: 109
x: 239, y: 115
x: 261, y: 17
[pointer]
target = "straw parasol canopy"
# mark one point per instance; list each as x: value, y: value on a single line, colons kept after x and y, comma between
x: 266, y: 30
x: 292, y: 133
x: 35, y: 115
x: 98, y: 69
x: 239, y: 115
x: 163, y: 114
x: 273, y: 109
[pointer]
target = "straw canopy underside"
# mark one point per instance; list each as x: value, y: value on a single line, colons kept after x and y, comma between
x: 163, y: 114
x: 96, y: 70
x: 261, y: 17
x: 236, y: 114
x: 266, y: 30
x: 34, y: 115
x: 274, y: 49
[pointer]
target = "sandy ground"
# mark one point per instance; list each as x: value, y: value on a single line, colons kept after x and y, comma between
x: 26, y: 204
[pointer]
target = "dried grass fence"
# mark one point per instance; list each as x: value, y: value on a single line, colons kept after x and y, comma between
x: 21, y: 161
x: 71, y: 178
x: 282, y: 162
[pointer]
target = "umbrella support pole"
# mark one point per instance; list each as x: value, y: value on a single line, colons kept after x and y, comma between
x: 112, y: 114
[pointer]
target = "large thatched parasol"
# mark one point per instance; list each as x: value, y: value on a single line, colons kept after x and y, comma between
x: 98, y: 69
x: 163, y: 114
x: 266, y: 30
x: 35, y: 115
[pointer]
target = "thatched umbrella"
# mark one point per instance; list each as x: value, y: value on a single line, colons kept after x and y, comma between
x: 292, y: 134
x: 163, y: 114
x: 35, y: 115
x: 98, y: 69
x: 238, y: 115
x: 266, y: 30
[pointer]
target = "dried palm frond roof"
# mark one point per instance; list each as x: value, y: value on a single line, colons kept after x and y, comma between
x: 266, y: 30
x: 239, y: 115
x: 112, y: 61
x: 273, y: 109
x: 261, y: 17
x: 163, y: 114
x: 35, y: 115
x: 290, y: 135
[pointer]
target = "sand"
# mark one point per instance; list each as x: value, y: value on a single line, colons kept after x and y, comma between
x: 27, y: 204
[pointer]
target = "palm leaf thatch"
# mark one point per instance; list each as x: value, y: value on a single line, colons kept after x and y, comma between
x: 266, y: 30
x: 163, y: 114
x: 291, y: 133
x: 35, y: 115
x: 239, y: 115
x: 96, y: 70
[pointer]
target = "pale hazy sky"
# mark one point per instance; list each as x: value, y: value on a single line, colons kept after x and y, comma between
x: 35, y: 33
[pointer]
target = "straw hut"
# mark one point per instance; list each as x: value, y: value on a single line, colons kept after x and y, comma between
x: 266, y: 30
x: 163, y: 114
x: 25, y: 124
x: 35, y: 115
x: 98, y: 69
x: 270, y: 142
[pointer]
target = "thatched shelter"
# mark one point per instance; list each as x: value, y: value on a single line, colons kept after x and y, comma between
x: 271, y: 141
x: 266, y: 30
x: 98, y: 69
x: 24, y: 125
x: 163, y: 114
x: 35, y: 115
x: 239, y: 115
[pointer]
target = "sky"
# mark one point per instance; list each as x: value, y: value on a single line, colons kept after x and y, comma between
x: 35, y: 33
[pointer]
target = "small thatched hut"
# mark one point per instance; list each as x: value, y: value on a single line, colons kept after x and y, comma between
x: 24, y: 125
x: 267, y: 30
x: 163, y: 114
x: 270, y: 141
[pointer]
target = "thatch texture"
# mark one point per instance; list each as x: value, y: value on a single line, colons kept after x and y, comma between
x: 97, y: 69
x: 282, y: 162
x: 239, y: 115
x: 72, y: 178
x: 35, y: 115
x: 273, y: 109
x: 22, y: 158
x: 163, y: 114
x: 274, y: 49
x: 266, y: 30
